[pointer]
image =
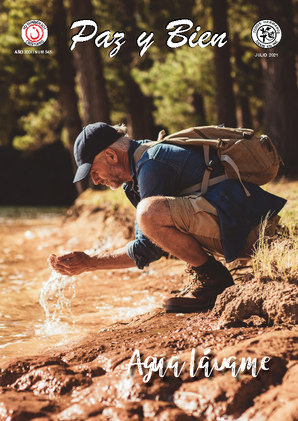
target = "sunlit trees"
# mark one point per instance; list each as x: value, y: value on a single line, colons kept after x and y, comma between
x: 50, y: 96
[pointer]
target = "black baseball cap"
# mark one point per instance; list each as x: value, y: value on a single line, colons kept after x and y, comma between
x: 92, y: 140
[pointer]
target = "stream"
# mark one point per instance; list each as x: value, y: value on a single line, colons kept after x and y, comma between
x: 39, y: 308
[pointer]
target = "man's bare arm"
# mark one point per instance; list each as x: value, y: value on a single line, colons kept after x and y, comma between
x: 78, y: 262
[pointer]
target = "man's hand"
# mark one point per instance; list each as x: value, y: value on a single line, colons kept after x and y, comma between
x: 70, y: 264
x: 78, y: 262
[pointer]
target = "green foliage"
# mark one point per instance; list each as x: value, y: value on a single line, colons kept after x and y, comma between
x: 27, y: 81
x: 134, y: 17
x: 40, y: 128
x: 174, y: 81
x: 29, y: 88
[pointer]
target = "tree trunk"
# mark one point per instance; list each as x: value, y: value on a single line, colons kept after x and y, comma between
x: 68, y: 97
x: 225, y: 100
x: 198, y: 103
x: 140, y: 122
x: 244, y: 117
x: 139, y: 107
x: 92, y: 92
x: 280, y: 85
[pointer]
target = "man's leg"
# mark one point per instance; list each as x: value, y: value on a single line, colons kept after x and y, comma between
x: 210, y: 277
x: 155, y: 221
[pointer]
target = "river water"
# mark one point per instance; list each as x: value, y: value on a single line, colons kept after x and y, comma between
x: 37, y: 310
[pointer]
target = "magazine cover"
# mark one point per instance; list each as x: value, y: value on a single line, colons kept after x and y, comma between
x: 148, y: 210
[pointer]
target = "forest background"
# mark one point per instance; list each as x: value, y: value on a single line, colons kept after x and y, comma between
x: 48, y: 93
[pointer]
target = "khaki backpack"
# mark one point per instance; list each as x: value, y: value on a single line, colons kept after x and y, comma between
x: 243, y: 155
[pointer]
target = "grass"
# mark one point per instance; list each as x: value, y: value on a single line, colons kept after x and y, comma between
x: 116, y: 198
x: 278, y: 258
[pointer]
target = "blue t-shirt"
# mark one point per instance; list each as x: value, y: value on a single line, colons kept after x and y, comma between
x: 165, y: 170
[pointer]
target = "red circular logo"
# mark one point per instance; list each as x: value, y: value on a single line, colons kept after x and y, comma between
x: 34, y: 32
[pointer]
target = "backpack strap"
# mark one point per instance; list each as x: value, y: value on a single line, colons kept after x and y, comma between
x: 228, y: 159
x: 206, y: 182
x: 207, y: 173
x: 197, y: 188
x: 139, y: 152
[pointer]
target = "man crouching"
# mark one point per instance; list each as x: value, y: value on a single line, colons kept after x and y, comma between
x: 224, y: 221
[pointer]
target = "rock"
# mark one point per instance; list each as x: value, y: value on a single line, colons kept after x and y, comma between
x: 128, y: 411
x: 90, y: 370
x: 80, y: 412
x: 164, y: 411
x: 120, y: 386
x: 224, y: 394
x: 255, y: 320
x: 45, y: 375
x: 51, y: 380
x: 279, y: 346
x: 14, y: 368
x: 276, y: 302
x: 279, y: 403
x: 25, y: 406
x: 214, y: 398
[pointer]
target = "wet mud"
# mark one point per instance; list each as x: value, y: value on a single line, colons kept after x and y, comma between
x: 236, y: 362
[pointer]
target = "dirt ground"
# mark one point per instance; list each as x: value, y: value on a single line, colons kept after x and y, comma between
x: 239, y: 361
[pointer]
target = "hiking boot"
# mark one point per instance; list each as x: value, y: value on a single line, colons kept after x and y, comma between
x: 209, y: 280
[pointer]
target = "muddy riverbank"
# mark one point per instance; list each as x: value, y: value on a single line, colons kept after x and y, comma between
x: 88, y: 372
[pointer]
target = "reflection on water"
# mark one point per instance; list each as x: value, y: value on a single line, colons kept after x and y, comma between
x: 38, y: 308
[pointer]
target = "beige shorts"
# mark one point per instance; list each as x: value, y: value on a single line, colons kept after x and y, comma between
x: 196, y: 216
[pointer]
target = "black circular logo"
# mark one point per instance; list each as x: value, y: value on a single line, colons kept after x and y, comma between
x: 266, y: 34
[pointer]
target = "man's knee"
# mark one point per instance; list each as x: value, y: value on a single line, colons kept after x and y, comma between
x: 150, y: 212
x: 146, y: 212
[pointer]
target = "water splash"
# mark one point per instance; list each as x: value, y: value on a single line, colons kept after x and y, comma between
x: 56, y: 296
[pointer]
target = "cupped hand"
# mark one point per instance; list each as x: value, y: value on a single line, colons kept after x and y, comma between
x: 71, y: 263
